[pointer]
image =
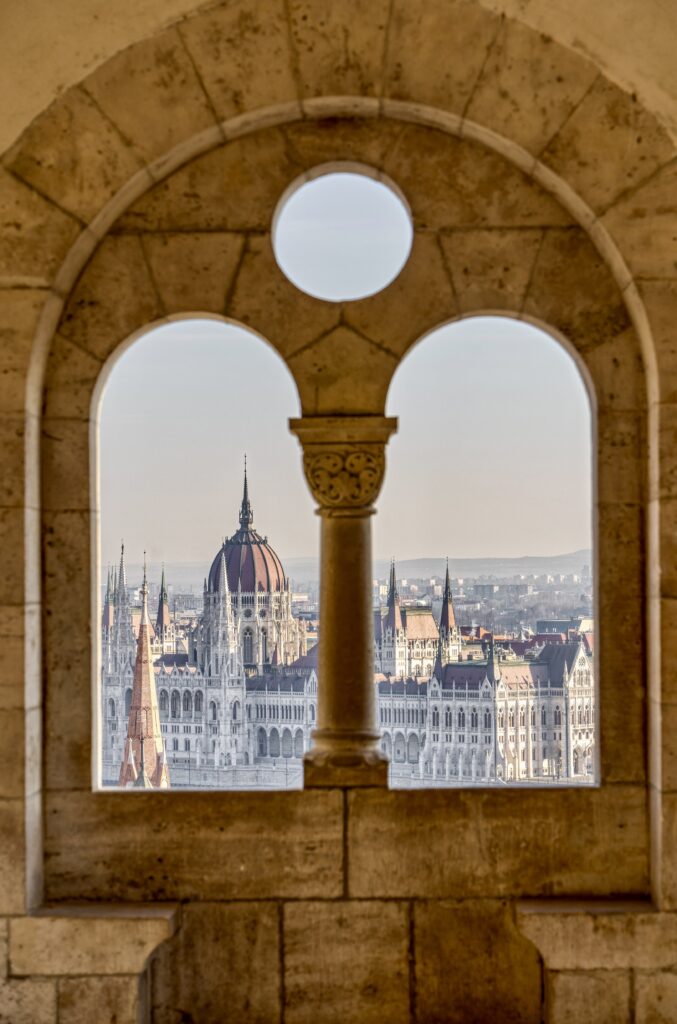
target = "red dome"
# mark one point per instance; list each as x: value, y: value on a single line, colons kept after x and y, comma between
x: 251, y: 563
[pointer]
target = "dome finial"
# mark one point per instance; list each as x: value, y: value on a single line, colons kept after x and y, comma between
x: 246, y: 514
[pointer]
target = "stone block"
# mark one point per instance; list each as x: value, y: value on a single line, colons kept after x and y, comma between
x: 222, y: 964
x: 264, y: 300
x: 617, y: 372
x: 629, y: 145
x: 456, y: 183
x: 21, y: 309
x: 665, y: 822
x: 346, y: 961
x: 73, y: 155
x: 233, y: 188
x: 621, y: 451
x: 317, y: 141
x: 114, y: 297
x: 205, y: 845
x: 35, y: 235
x: 66, y: 483
x: 660, y: 302
x: 668, y: 650
x: 644, y: 225
x: 12, y: 754
x: 12, y: 455
x: 152, y: 94
x: 71, y: 377
x: 472, y: 965
x: 421, y: 70
x: 583, y: 841
x: 571, y: 290
x: 603, y: 996
x: 327, y: 67
x: 194, y: 272
x: 619, y: 936
x: 83, y: 941
x: 667, y: 453
x: 491, y: 268
x: 104, y: 1000
x: 529, y: 86
x: 12, y: 857
x: 342, y: 374
x: 667, y: 538
x: 655, y: 997
x: 12, y: 544
x: 231, y: 44
x: 4, y: 947
x: 420, y: 299
x: 28, y: 1002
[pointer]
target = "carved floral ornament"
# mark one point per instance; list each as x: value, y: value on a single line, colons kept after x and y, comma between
x: 344, y: 458
x: 344, y: 475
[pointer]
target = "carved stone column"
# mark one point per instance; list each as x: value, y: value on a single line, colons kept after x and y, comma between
x: 344, y: 462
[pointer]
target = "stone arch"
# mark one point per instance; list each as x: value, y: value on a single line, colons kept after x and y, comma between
x: 421, y: 83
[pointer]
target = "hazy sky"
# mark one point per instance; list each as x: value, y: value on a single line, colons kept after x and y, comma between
x: 492, y: 456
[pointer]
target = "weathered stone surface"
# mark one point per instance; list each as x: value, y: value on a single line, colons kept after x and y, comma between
x: 586, y: 316
x: 12, y: 538
x: 104, y: 1000
x: 35, y: 235
x: 346, y: 961
x: 12, y: 754
x: 264, y: 300
x: 421, y: 70
x: 473, y: 966
x: 233, y: 188
x: 72, y: 373
x: 574, y: 938
x: 452, y: 182
x: 231, y: 44
x: 12, y: 454
x: 68, y: 667
x: 491, y: 268
x: 655, y: 997
x: 660, y: 302
x: 617, y: 371
x: 223, y: 964
x: 114, y: 297
x: 28, y: 1002
x: 621, y: 441
x: 12, y: 856
x: 238, y: 848
x: 193, y: 272
x: 572, y: 997
x: 644, y: 225
x: 21, y: 310
x: 73, y: 155
x: 152, y: 94
x: 86, y: 942
x: 65, y: 451
x: 667, y: 539
x: 333, y: 141
x: 354, y: 68
x: 342, y: 373
x: 419, y: 299
x: 666, y: 821
x: 528, y: 86
x: 596, y: 842
x: 629, y: 145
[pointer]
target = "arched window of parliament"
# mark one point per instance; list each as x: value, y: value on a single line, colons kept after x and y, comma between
x: 490, y: 577
x: 208, y: 591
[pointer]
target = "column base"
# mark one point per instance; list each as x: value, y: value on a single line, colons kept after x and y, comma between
x: 345, y: 760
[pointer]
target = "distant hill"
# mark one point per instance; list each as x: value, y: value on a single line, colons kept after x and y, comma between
x: 182, y: 576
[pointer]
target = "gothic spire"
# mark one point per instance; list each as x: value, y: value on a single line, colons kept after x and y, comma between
x: 493, y: 671
x: 246, y: 514
x: 144, y: 746
x: 107, y: 616
x: 447, y: 615
x: 393, y: 618
x: 163, y: 621
x: 122, y: 578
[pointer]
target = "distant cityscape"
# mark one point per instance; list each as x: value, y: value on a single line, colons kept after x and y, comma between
x: 482, y: 677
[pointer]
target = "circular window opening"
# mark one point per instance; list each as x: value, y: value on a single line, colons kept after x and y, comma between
x: 342, y: 235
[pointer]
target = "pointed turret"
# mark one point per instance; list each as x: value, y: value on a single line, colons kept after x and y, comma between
x: 246, y: 514
x: 163, y: 621
x: 108, y: 608
x: 223, y: 578
x: 144, y: 746
x: 438, y: 666
x: 121, y: 593
x: 393, y: 619
x: 447, y: 615
x: 123, y: 632
x: 493, y: 671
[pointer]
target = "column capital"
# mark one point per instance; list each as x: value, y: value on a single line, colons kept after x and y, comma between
x: 344, y: 459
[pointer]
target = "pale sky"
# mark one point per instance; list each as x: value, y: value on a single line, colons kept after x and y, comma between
x: 492, y: 456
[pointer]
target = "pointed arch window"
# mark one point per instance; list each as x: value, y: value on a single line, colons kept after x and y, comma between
x: 248, y: 647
